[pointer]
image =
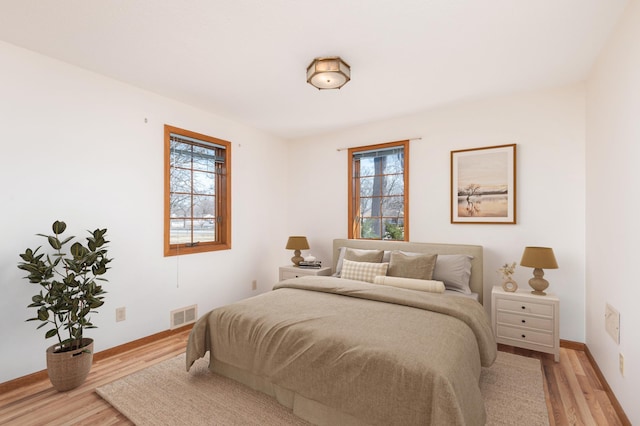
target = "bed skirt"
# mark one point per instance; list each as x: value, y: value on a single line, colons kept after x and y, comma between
x: 305, y: 408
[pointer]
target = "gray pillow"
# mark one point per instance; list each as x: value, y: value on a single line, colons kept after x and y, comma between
x: 455, y: 271
x: 417, y: 266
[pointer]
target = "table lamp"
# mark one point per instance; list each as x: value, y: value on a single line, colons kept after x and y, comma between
x: 297, y: 243
x: 538, y: 258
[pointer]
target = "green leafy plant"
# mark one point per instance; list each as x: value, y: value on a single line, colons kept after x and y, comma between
x: 69, y: 291
x: 393, y: 232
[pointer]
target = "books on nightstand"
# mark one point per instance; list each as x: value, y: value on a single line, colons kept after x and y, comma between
x: 316, y: 264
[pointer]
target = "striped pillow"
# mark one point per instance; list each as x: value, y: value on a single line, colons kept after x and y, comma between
x: 363, y: 271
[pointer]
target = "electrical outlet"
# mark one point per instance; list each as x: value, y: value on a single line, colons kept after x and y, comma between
x: 254, y: 285
x: 621, y: 358
x: 121, y: 314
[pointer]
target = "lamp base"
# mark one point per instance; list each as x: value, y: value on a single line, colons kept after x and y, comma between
x: 296, y: 259
x: 538, y: 283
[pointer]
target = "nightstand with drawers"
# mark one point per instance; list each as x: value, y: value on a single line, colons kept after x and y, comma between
x: 526, y: 320
x: 287, y: 272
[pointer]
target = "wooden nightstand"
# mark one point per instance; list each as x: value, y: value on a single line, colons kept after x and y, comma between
x: 287, y: 272
x: 527, y: 321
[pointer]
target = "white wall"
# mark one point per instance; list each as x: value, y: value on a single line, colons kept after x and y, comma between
x: 548, y: 128
x: 613, y: 174
x: 76, y: 147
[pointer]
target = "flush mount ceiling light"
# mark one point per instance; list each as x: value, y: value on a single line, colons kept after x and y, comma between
x: 328, y: 73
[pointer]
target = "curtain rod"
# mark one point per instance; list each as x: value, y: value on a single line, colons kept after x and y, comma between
x: 349, y: 147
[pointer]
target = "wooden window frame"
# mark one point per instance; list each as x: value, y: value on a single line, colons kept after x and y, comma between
x: 222, y: 222
x: 354, y: 189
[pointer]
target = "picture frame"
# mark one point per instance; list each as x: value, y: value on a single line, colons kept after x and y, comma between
x: 483, y: 185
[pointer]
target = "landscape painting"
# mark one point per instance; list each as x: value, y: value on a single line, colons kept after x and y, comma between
x: 483, y: 185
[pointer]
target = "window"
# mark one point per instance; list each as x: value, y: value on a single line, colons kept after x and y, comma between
x: 379, y: 191
x: 197, y: 192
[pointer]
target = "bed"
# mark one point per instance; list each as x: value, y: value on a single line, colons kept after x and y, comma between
x: 338, y: 350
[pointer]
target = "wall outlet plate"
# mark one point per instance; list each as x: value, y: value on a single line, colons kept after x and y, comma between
x: 121, y: 314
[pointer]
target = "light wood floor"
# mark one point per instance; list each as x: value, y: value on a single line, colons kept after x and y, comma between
x: 574, y: 394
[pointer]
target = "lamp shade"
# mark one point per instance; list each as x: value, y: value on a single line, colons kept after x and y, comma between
x: 328, y: 73
x: 297, y: 243
x: 539, y: 257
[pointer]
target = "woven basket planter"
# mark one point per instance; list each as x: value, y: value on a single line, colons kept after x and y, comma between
x: 68, y: 370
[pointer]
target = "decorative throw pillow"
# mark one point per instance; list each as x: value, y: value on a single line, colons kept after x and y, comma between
x: 415, y: 265
x: 362, y: 271
x: 358, y: 255
x: 430, y: 286
x: 455, y: 271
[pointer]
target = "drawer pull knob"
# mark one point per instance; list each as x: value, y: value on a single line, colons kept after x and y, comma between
x: 524, y: 337
x: 523, y: 321
x: 523, y: 307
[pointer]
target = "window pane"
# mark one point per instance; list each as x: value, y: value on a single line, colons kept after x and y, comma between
x: 393, y: 164
x: 393, y: 229
x: 180, y: 205
x: 393, y: 185
x: 370, y: 228
x: 203, y: 158
x: 366, y: 167
x: 180, y: 232
x: 204, y: 183
x: 180, y: 154
x: 366, y: 187
x: 365, y: 207
x: 393, y: 207
x: 368, y: 206
x: 204, y: 230
x: 180, y: 180
x: 203, y: 206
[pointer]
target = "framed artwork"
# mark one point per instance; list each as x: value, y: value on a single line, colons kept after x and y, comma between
x: 483, y: 185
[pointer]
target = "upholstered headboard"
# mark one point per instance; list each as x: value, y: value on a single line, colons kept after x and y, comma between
x: 476, y: 280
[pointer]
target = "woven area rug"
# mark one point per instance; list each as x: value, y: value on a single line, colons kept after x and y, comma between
x: 164, y: 394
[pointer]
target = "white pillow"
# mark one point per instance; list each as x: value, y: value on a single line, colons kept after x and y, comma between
x: 430, y: 286
x: 362, y: 271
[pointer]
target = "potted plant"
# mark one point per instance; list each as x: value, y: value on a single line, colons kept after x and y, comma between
x: 69, y: 293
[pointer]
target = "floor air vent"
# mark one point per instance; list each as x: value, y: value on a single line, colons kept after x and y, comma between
x: 184, y: 316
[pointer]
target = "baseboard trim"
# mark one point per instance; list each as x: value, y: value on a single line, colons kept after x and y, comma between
x: 116, y: 350
x: 612, y: 397
x: 576, y: 346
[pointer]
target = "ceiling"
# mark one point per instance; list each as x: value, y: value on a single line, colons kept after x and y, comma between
x: 246, y: 59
